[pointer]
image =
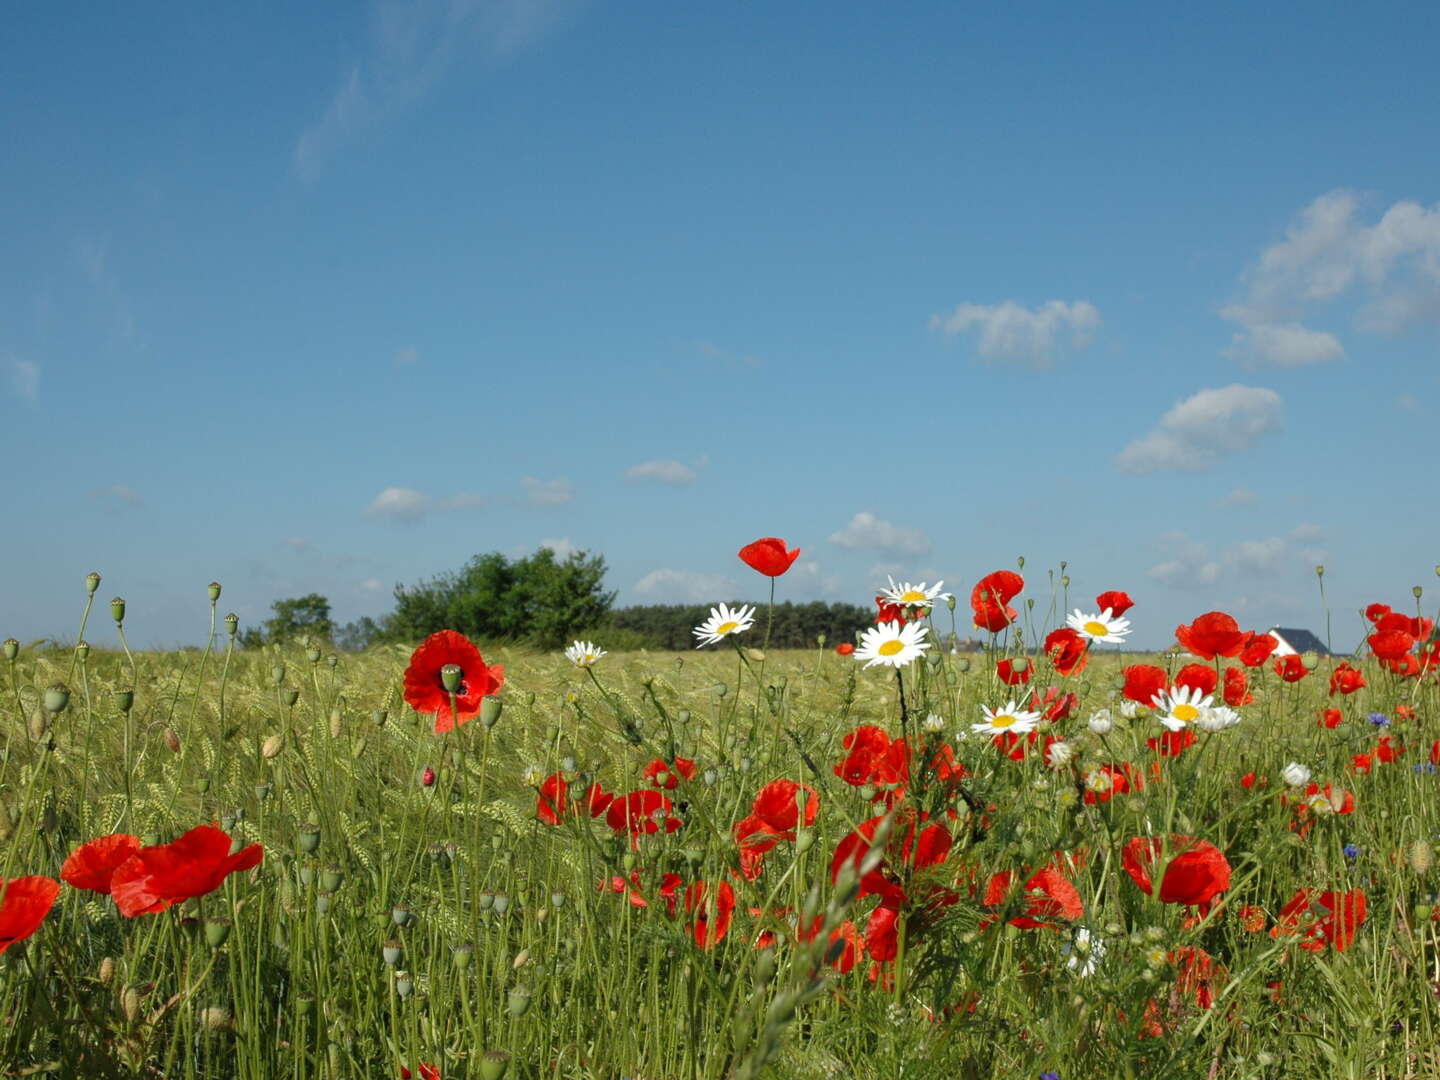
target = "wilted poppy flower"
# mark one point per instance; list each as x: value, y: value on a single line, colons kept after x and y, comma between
x: 1067, y: 649
x: 1196, y: 873
x: 666, y: 776
x: 426, y: 693
x: 1197, y: 677
x: 712, y: 909
x: 155, y: 878
x: 24, y: 903
x: 1237, y: 687
x: 636, y: 813
x: 1014, y: 673
x: 1345, y: 680
x: 1319, y: 917
x: 1258, y: 649
x: 1198, y: 972
x: 91, y: 865
x: 768, y: 556
x: 1143, y: 682
x: 1212, y: 634
x: 1049, y: 895
x: 990, y: 599
x: 1115, y: 601
x: 1291, y: 668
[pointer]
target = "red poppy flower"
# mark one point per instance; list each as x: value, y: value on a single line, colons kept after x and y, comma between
x: 666, y: 776
x: 1320, y: 917
x: 873, y: 758
x: 1345, y: 680
x: 774, y: 816
x: 990, y: 599
x: 1049, y: 895
x: 712, y: 910
x: 1291, y: 668
x: 1212, y: 634
x: 1387, y: 751
x: 427, y: 694
x: 1395, y: 622
x: 1172, y: 743
x: 1198, y: 972
x: 1249, y: 780
x: 155, y: 878
x: 1406, y: 665
x: 1196, y: 873
x: 1055, y: 706
x: 91, y: 865
x: 1361, y: 763
x: 845, y: 648
x: 1258, y: 650
x: 1198, y: 677
x: 1376, y: 612
x: 1435, y: 752
x: 636, y: 813
x: 1339, y: 802
x: 888, y: 611
x: 427, y: 1071
x: 1237, y: 687
x: 1143, y: 682
x: 24, y: 903
x: 1014, y: 673
x: 1115, y: 601
x: 1067, y: 650
x: 1331, y: 718
x: 553, y: 803
x: 1107, y: 781
x: 768, y: 556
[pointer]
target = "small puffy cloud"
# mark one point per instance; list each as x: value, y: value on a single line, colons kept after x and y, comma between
x: 1306, y: 530
x: 554, y: 492
x: 1010, y: 333
x: 868, y: 531
x: 370, y: 585
x: 24, y: 378
x: 684, y: 586
x: 407, y: 504
x: 562, y: 547
x: 711, y: 351
x: 407, y: 356
x: 1283, y: 345
x: 297, y: 543
x: 1268, y: 556
x: 674, y: 473
x: 1204, y: 428
x: 118, y: 493
x: 1407, y: 402
x: 1190, y: 563
x: 1240, y: 496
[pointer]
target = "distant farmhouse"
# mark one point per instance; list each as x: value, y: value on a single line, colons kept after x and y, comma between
x: 1292, y: 641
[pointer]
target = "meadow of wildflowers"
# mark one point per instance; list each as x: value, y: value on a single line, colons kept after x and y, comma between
x: 879, y: 858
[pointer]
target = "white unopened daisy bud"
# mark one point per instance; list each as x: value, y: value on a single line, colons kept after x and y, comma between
x: 1060, y: 754
x: 934, y: 723
x: 1129, y: 709
x: 1295, y: 774
x: 1101, y: 721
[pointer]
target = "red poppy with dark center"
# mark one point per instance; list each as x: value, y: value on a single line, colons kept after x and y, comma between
x: 425, y: 691
x: 637, y: 813
x: 990, y: 599
x: 1212, y: 634
x: 1068, y: 650
x: 1014, y: 672
x: 666, y: 776
x: 768, y: 556
x: 1387, y: 751
x: 1320, y: 917
x: 1143, y: 682
x: 712, y: 909
x: 1049, y: 895
x: 24, y: 903
x: 1196, y: 873
x: 1115, y: 601
x: 1258, y: 650
x: 159, y: 877
x: 1237, y: 687
x: 1345, y: 680
x: 1291, y: 668
x: 774, y: 816
x: 1197, y: 677
x: 91, y: 865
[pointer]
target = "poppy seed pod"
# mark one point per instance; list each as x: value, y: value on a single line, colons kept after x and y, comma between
x: 393, y: 953
x: 82, y: 651
x: 290, y: 697
x: 92, y: 582
x: 404, y: 984
x: 12, y: 648
x: 57, y: 697
x: 232, y: 624
x: 490, y: 708
x: 313, y: 654
x: 517, y: 1003
x: 277, y: 674
x: 331, y: 878
x: 493, y: 1065
x: 309, y: 838
x: 213, y: 589
x: 1417, y: 592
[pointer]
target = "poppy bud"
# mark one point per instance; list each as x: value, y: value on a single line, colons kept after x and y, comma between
x: 277, y: 674
x: 12, y: 647
x: 1065, y: 580
x: 804, y: 838
x: 1423, y: 912
x: 1020, y: 563
x: 427, y: 778
x: 400, y: 915
x: 124, y: 699
x: 82, y: 651
x: 290, y: 697
x: 493, y: 1064
x: 755, y: 655
x: 517, y: 1003
x: 57, y: 697
x: 378, y: 717
x: 490, y: 709
x: 309, y: 838
x: 404, y: 985
x: 1417, y: 592
x: 232, y: 624
x: 92, y: 582
x: 313, y: 654
x: 1310, y: 659
x: 392, y: 952
x: 217, y: 931
x: 107, y: 970
x: 172, y: 740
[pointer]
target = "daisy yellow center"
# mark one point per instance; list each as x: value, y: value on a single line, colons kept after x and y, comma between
x: 890, y: 648
x: 1003, y: 720
x: 1099, y: 629
x: 1185, y: 712
x: 726, y: 627
x: 914, y: 596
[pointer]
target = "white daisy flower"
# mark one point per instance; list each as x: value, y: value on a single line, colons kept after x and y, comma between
x: 723, y: 622
x: 1104, y: 626
x: 1085, y: 953
x: 1180, y: 706
x: 583, y: 653
x: 1295, y: 774
x: 1217, y: 718
x: 1010, y: 718
x: 1101, y: 721
x: 891, y: 644
x: 1059, y: 754
x: 907, y: 595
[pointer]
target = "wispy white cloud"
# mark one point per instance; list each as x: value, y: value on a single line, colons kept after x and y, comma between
x: 1329, y: 253
x: 93, y: 256
x: 407, y: 356
x: 562, y: 547
x: 411, y: 48
x: 1240, y: 496
x: 1015, y: 334
x: 407, y: 504
x: 868, y: 531
x: 556, y: 492
x: 1189, y: 564
x: 118, y: 493
x: 664, y: 471
x: 298, y: 543
x: 1407, y: 402
x: 685, y: 586
x: 1193, y: 564
x: 1204, y: 428
x: 729, y: 357
x: 370, y: 585
x: 24, y: 378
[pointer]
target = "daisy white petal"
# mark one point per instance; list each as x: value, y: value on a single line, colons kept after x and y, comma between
x: 723, y: 621
x: 891, y: 644
x: 1180, y: 706
x: 1009, y: 718
x: 583, y: 653
x: 1103, y: 626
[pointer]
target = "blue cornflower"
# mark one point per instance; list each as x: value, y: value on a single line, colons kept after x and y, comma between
x: 1052, y: 1075
x: 1426, y: 767
x: 1351, y: 850
x: 1379, y: 719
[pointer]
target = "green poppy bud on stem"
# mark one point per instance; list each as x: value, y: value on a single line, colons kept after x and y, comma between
x: 277, y: 675
x: 217, y: 932
x: 232, y: 624
x: 490, y: 708
x: 92, y: 582
x: 82, y: 651
x: 309, y: 838
x: 214, y: 590
x: 57, y: 697
x: 518, y: 1001
x: 493, y: 1065
x: 12, y: 648
x: 1417, y: 592
x: 290, y: 697
x: 313, y: 654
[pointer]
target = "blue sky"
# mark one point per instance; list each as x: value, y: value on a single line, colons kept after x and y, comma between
x: 327, y: 300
